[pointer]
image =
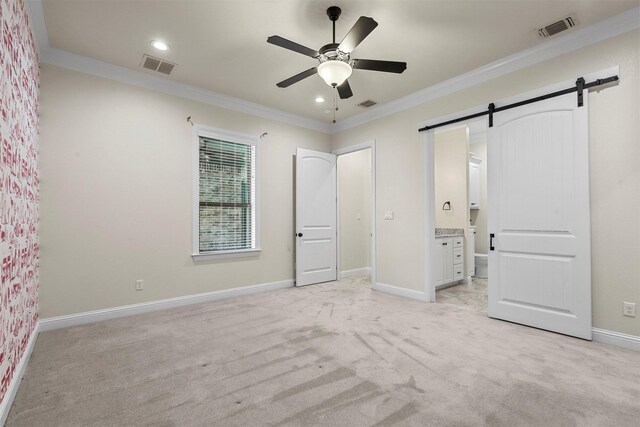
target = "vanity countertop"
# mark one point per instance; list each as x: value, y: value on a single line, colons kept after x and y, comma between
x: 449, y: 232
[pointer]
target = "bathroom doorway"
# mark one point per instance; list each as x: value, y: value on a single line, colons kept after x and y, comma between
x: 538, y: 191
x: 460, y: 216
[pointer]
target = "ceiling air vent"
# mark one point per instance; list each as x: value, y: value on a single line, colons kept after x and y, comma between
x: 557, y: 27
x: 368, y: 103
x: 157, y: 64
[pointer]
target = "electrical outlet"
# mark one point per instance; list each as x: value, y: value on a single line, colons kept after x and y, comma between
x: 629, y: 309
x: 139, y: 285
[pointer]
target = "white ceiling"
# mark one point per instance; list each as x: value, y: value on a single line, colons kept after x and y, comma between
x: 221, y: 45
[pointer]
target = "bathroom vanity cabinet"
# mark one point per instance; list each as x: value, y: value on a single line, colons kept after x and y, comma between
x: 449, y: 259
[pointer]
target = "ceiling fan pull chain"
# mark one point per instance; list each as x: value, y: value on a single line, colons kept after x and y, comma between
x: 335, y: 103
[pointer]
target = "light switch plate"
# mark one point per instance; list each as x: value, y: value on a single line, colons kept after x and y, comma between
x: 388, y: 215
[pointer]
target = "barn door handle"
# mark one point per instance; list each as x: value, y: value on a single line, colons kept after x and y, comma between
x: 299, y: 234
x: 491, y: 236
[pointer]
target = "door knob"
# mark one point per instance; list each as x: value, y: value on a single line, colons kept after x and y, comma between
x: 299, y: 234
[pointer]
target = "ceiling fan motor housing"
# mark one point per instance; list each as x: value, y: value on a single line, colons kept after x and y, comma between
x: 330, y: 52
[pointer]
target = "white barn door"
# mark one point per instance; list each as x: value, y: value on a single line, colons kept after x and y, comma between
x: 538, y: 181
x: 316, y: 216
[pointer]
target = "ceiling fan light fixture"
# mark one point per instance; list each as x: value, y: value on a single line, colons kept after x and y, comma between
x: 334, y: 73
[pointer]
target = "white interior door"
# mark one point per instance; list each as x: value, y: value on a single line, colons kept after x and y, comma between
x: 538, y: 180
x: 316, y: 213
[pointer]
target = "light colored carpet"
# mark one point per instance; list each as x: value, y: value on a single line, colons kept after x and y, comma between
x: 335, y: 354
x: 472, y: 295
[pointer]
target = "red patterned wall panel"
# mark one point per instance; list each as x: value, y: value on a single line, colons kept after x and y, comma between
x: 18, y: 187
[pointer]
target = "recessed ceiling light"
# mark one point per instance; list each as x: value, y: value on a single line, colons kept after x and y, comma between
x: 160, y: 45
x: 319, y: 99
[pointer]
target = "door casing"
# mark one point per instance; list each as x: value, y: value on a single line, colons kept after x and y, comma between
x: 371, y: 144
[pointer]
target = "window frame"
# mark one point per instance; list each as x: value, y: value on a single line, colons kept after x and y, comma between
x: 236, y: 138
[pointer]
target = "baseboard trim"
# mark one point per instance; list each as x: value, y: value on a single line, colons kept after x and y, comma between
x: 618, y: 339
x: 398, y: 291
x: 76, y: 319
x: 364, y: 271
x: 12, y: 390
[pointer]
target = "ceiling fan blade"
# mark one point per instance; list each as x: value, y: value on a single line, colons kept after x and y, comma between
x: 344, y: 90
x: 360, y: 30
x: 375, y: 65
x: 300, y: 76
x: 288, y: 44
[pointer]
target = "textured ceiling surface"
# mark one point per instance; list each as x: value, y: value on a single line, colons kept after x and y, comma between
x: 221, y: 45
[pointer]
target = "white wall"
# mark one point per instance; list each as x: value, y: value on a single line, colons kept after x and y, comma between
x: 451, y: 170
x: 399, y: 174
x: 116, y: 183
x: 451, y: 178
x: 116, y: 186
x: 354, y: 192
x: 614, y: 115
x: 479, y: 216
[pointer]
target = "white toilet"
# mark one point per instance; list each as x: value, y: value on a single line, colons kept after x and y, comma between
x: 482, y: 269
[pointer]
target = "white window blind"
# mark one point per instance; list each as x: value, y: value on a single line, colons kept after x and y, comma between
x: 227, y: 196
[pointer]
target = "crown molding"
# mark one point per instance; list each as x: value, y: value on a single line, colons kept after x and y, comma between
x: 37, y: 24
x: 574, y: 40
x: 84, y: 64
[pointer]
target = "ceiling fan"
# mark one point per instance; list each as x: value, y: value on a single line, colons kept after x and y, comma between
x: 336, y: 64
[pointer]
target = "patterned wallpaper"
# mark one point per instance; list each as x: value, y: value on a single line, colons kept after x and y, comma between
x: 19, y: 77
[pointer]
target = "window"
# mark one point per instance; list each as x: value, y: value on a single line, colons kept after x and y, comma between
x: 225, y: 194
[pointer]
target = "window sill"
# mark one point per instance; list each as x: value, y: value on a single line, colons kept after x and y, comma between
x: 210, y: 256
